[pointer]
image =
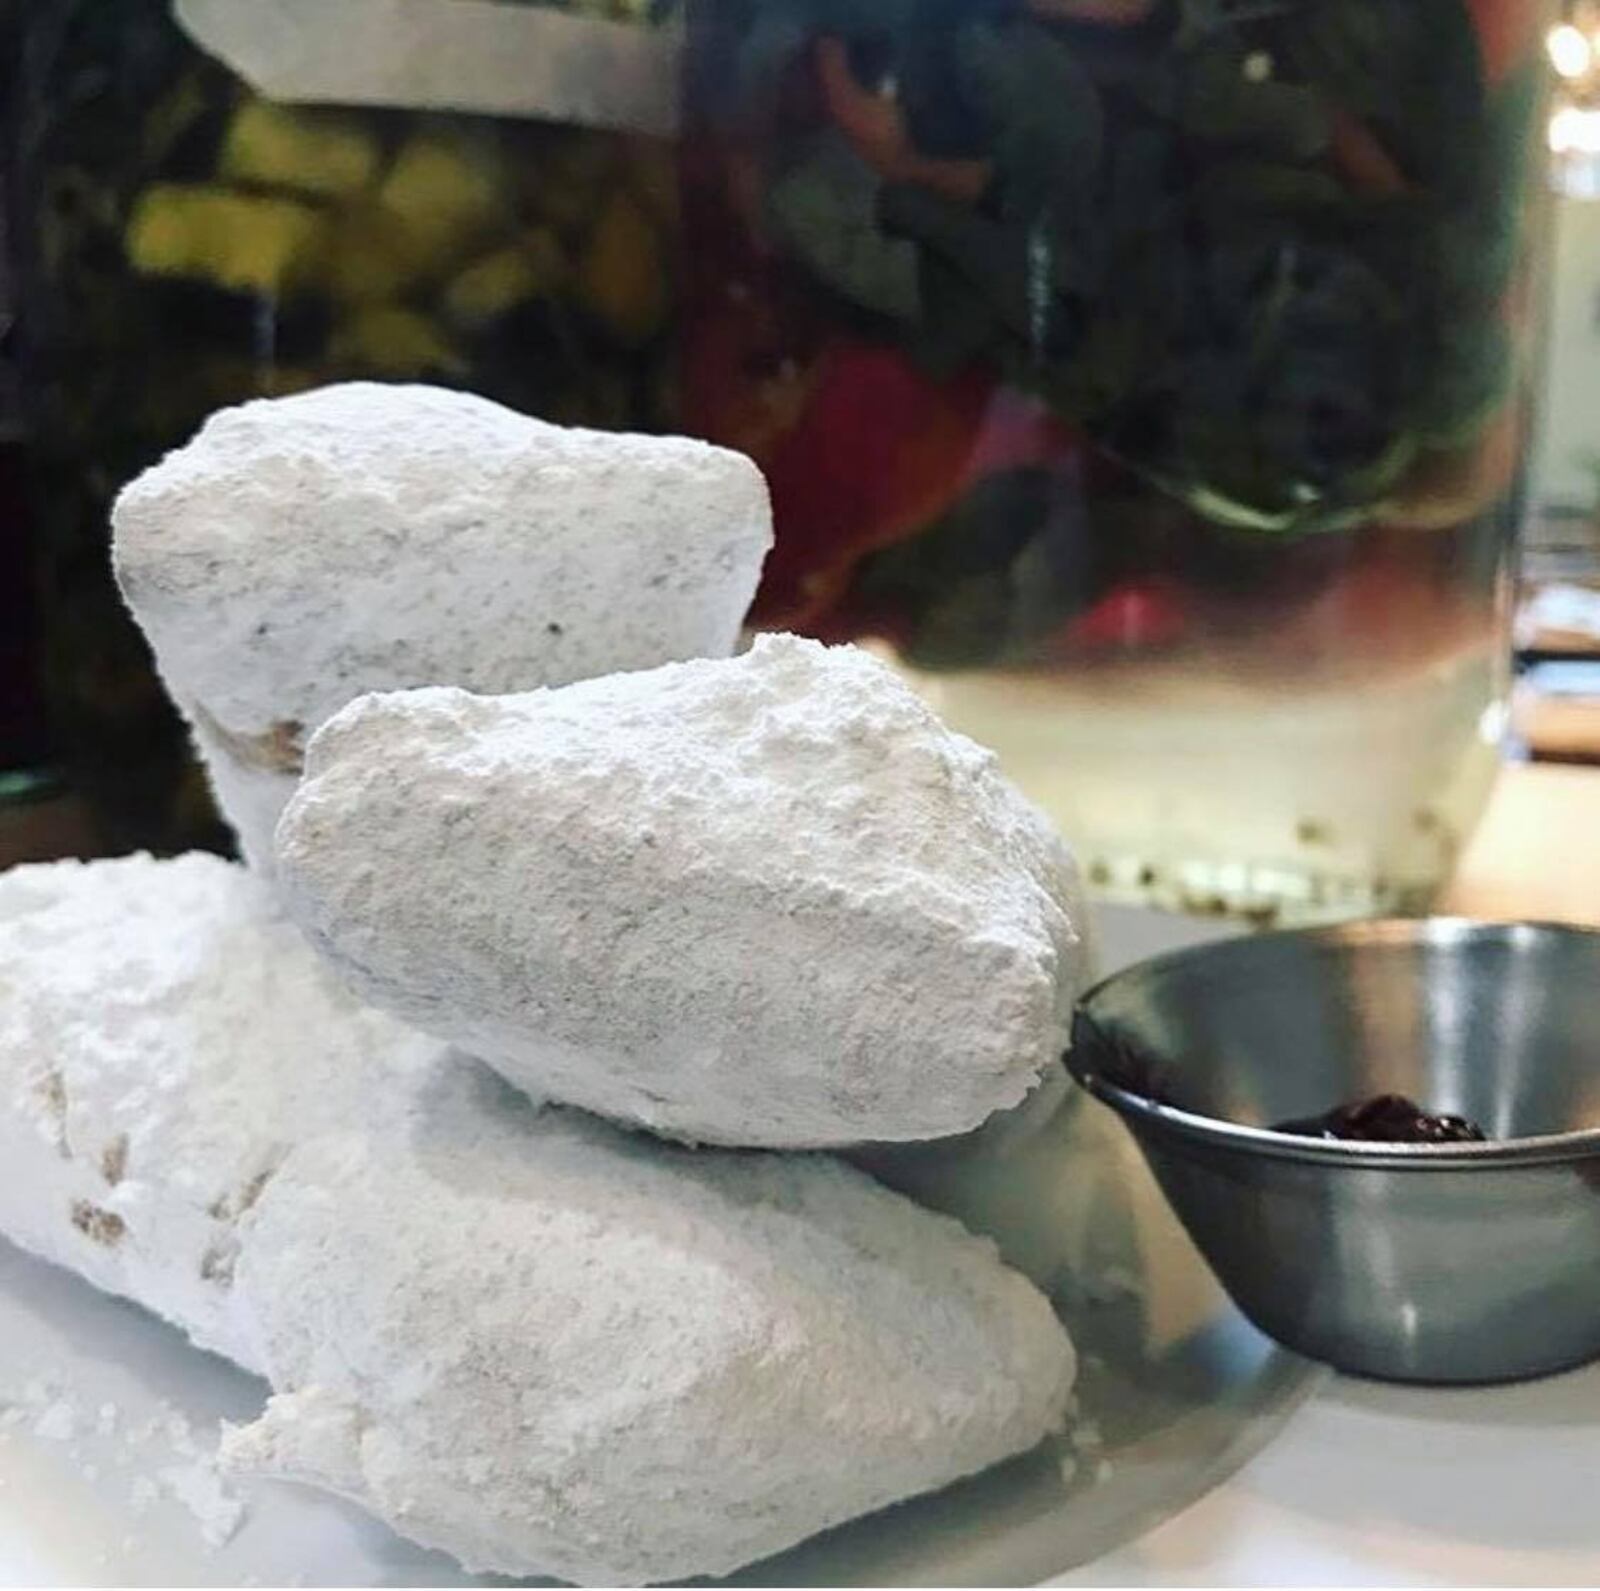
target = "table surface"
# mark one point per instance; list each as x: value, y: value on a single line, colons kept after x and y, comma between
x: 1537, y: 852
x: 1382, y: 1485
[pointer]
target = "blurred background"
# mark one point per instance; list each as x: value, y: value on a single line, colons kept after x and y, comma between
x: 1198, y: 399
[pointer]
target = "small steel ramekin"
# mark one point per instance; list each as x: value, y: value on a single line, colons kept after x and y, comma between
x: 1463, y: 1262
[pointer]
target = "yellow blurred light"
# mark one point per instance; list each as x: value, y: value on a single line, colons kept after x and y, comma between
x: 1570, y: 51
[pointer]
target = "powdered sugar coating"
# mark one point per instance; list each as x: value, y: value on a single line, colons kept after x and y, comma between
x: 302, y: 550
x: 623, y: 1362
x: 768, y: 901
x: 166, y: 1037
x: 517, y: 1334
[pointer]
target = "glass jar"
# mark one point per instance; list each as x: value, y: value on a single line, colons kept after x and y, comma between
x: 1148, y: 378
x: 187, y: 237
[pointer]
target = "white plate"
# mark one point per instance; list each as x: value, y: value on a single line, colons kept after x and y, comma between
x: 108, y: 1419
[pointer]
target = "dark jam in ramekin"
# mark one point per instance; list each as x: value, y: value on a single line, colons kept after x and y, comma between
x: 1388, y: 1119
